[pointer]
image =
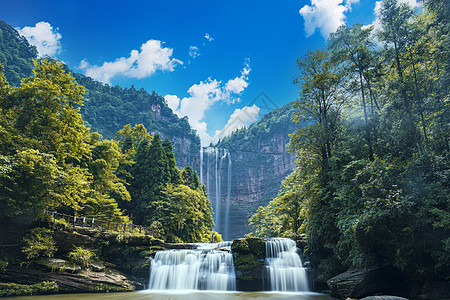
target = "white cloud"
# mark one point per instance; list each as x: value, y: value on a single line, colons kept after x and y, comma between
x: 205, y: 94
x: 44, y: 37
x: 151, y: 58
x: 208, y: 37
x: 193, y: 51
x: 325, y: 15
x: 238, y: 119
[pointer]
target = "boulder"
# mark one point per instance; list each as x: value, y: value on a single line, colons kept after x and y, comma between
x: 249, y: 256
x: 359, y: 283
x: 384, y: 298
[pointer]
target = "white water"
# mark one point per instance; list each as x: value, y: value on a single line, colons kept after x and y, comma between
x: 226, y: 229
x: 284, y: 268
x: 214, y: 159
x: 200, y: 269
x: 217, y: 206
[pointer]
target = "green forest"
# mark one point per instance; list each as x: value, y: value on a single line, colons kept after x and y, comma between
x: 50, y: 161
x: 372, y: 182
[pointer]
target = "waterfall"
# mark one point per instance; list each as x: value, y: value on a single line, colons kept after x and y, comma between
x: 227, y: 210
x: 201, y: 165
x: 200, y: 269
x: 284, y: 268
x: 217, y: 207
x: 214, y: 159
x: 207, y: 171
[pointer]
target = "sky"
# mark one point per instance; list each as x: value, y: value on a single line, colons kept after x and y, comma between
x: 223, y: 64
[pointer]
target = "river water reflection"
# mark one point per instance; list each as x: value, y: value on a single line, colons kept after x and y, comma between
x: 181, y: 295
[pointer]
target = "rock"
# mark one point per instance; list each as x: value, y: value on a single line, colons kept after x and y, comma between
x: 362, y: 282
x: 252, y: 245
x: 58, y: 265
x: 384, y: 298
x: 67, y: 241
x: 249, y: 256
x: 97, y: 267
x: 84, y: 281
x: 178, y: 246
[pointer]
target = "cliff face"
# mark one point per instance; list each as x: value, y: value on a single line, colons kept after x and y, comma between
x: 259, y: 162
x: 109, y: 108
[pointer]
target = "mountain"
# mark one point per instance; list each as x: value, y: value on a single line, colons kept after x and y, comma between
x: 16, y: 54
x: 108, y: 108
x: 259, y: 162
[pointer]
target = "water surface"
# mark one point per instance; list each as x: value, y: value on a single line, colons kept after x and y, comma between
x: 181, y: 295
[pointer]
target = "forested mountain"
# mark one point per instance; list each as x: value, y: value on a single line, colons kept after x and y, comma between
x: 108, y: 108
x: 372, y: 184
x: 16, y: 54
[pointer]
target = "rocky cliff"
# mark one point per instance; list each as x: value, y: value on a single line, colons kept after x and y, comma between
x: 259, y: 162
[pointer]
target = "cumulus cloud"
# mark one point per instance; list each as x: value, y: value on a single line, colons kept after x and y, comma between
x: 140, y: 64
x: 208, y: 37
x: 238, y: 119
x: 205, y: 94
x: 44, y: 37
x: 193, y: 51
x: 325, y: 15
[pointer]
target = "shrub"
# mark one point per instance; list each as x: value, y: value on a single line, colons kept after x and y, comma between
x: 39, y: 243
x: 81, y: 257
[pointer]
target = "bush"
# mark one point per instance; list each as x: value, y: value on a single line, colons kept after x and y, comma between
x: 81, y: 257
x: 14, y: 289
x: 39, y: 243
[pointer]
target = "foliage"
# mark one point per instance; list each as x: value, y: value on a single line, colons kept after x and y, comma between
x: 81, y: 257
x: 49, y: 159
x: 112, y: 107
x: 15, y: 54
x: 39, y: 243
x: 372, y: 182
x: 14, y: 289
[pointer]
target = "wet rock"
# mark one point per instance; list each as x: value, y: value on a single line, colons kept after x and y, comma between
x: 58, y: 265
x: 249, y: 256
x: 384, y: 298
x: 363, y: 282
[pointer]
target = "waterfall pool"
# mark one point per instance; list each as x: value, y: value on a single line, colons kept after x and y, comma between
x: 181, y: 295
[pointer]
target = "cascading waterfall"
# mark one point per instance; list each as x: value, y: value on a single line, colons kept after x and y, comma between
x: 201, y: 165
x: 228, y: 203
x: 217, y: 206
x: 201, y: 269
x: 212, y: 161
x: 284, y: 268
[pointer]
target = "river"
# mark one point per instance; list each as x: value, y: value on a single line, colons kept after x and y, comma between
x: 180, y: 295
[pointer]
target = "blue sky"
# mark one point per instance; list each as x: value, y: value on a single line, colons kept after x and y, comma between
x: 210, y: 59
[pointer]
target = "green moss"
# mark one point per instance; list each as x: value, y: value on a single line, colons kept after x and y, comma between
x: 249, y: 245
x: 105, y: 287
x: 14, y: 289
x: 246, y: 262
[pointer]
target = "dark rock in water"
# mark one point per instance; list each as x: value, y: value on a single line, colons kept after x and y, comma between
x: 384, y: 298
x: 248, y: 257
x: 363, y: 282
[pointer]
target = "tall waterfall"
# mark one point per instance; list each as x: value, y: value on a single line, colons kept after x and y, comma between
x: 200, y: 269
x: 284, y: 268
x: 213, y: 159
x: 226, y: 231
x: 217, y: 206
